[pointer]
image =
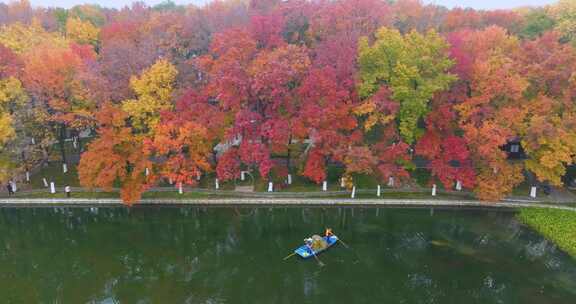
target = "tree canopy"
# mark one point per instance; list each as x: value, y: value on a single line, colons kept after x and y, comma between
x: 373, y: 87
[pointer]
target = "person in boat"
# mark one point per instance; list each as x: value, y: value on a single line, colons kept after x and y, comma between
x: 328, y: 233
x: 318, y: 243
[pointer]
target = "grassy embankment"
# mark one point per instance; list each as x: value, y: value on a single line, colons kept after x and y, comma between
x: 53, y: 173
x: 556, y: 225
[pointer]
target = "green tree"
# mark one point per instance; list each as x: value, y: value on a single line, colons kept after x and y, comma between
x: 414, y: 67
x: 536, y: 22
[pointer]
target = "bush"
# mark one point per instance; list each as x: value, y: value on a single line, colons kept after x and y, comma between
x: 556, y: 225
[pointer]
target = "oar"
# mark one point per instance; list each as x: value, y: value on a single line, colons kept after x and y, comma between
x: 315, y: 256
x: 317, y: 259
x: 289, y: 256
x: 348, y: 247
x: 341, y: 241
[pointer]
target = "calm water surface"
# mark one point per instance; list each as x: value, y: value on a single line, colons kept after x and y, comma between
x: 228, y: 255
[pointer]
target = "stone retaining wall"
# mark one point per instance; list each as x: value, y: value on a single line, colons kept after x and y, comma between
x: 279, y: 202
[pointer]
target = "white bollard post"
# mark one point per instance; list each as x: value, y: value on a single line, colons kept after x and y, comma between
x: 242, y: 175
x: 434, y: 190
x: 270, y: 187
x: 353, y: 195
x: 533, y: 192
x: 27, y: 176
x: 45, y: 182
x: 324, y: 186
x: 378, y: 191
x: 52, y: 188
x: 180, y: 190
x: 458, y: 185
x: 289, y: 179
x: 390, y: 181
x: 65, y: 168
x: 216, y: 184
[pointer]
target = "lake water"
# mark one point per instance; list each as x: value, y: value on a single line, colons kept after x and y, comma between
x: 235, y: 255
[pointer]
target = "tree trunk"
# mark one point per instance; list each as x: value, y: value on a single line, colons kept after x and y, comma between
x: 79, y: 143
x: 215, y: 158
x: 288, y: 155
x: 62, y: 138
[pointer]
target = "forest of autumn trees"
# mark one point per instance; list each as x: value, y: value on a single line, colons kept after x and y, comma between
x: 291, y: 87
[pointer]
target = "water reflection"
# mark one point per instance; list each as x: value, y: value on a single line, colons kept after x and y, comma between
x: 234, y: 255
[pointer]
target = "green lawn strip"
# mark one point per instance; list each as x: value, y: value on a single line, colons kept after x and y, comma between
x: 105, y: 195
x: 62, y: 195
x: 215, y: 195
x: 185, y: 195
x: 53, y: 173
x: 522, y: 189
x: 556, y: 225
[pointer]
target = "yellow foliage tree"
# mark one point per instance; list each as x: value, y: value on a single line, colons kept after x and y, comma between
x: 22, y: 38
x: 82, y: 31
x: 564, y: 13
x: 12, y: 96
x: 154, y: 93
x: 549, y: 141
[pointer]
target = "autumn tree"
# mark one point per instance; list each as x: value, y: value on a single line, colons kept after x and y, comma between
x: 143, y: 140
x: 16, y: 11
x: 325, y: 119
x: 564, y: 14
x: 490, y: 111
x: 13, y: 109
x: 184, y: 140
x: 59, y: 96
x: 154, y: 94
x: 117, y: 155
x: 91, y: 13
x: 82, y: 32
x: 22, y: 38
x: 257, y: 85
x: 547, y: 132
x: 177, y: 91
x: 447, y: 153
x: 125, y: 51
x: 414, y: 67
x: 352, y: 18
x: 12, y: 98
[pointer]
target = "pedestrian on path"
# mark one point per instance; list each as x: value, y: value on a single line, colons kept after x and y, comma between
x: 9, y: 188
x: 68, y: 191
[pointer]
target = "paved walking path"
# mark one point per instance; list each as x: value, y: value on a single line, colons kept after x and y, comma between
x: 562, y: 195
x: 280, y: 202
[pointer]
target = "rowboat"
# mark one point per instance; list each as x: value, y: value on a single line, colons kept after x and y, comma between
x: 306, y: 251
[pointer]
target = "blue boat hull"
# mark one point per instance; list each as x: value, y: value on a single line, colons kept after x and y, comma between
x: 306, y: 252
